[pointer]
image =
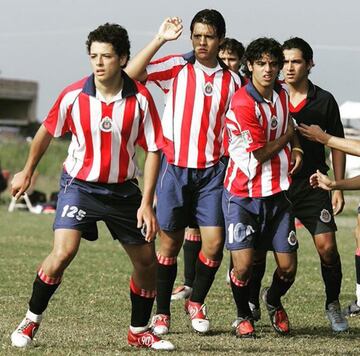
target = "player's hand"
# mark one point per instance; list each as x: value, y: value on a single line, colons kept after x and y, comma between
x: 296, y: 162
x: 146, y: 220
x: 338, y: 201
x: 319, y: 180
x: 19, y: 184
x: 170, y: 29
x: 290, y: 130
x: 313, y: 133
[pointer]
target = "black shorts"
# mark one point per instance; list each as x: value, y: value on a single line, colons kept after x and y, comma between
x: 312, y: 207
x: 81, y: 204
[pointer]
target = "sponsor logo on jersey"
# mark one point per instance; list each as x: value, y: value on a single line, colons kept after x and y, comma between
x: 325, y: 216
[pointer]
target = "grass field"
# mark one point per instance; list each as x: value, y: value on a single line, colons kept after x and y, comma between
x: 89, y: 315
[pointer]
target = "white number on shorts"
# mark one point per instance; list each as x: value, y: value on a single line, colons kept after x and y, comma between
x: 73, y: 212
x: 239, y: 232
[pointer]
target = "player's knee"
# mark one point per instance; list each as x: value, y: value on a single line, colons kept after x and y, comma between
x: 329, y: 254
x: 63, y: 256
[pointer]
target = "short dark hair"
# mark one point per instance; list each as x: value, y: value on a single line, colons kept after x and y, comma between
x: 111, y: 33
x: 233, y: 46
x: 210, y: 17
x: 257, y: 48
x: 302, y: 45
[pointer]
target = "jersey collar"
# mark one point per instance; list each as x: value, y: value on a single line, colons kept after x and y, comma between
x: 190, y: 58
x: 129, y: 86
x: 251, y: 90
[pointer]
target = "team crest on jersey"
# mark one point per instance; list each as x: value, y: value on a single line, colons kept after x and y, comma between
x: 106, y: 124
x: 292, y: 240
x: 325, y: 216
x: 246, y: 137
x: 208, y: 89
x: 273, y: 122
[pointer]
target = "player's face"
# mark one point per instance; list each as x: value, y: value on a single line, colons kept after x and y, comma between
x: 231, y: 59
x: 105, y: 63
x: 295, y: 68
x: 264, y: 72
x: 205, y: 43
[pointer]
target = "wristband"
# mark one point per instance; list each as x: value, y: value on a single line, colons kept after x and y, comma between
x: 298, y: 149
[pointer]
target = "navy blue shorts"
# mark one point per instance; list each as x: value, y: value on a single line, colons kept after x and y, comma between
x: 81, y: 204
x: 189, y: 196
x: 259, y: 223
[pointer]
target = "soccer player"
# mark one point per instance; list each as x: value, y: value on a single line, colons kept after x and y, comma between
x: 198, y: 89
x: 350, y: 146
x: 314, y: 208
x: 258, y: 213
x: 230, y: 52
x: 107, y: 113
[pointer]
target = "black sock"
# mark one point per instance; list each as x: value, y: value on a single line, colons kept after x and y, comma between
x: 165, y: 282
x: 255, y: 281
x: 241, y: 298
x: 140, y: 309
x: 191, y: 252
x: 357, y: 267
x: 332, y: 277
x: 41, y: 295
x: 278, y: 288
x: 204, y: 277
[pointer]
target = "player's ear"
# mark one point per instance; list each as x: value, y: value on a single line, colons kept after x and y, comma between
x: 249, y: 65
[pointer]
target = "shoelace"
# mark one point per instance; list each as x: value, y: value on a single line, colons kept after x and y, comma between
x: 336, y: 314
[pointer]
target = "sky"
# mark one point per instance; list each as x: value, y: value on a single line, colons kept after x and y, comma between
x: 44, y: 40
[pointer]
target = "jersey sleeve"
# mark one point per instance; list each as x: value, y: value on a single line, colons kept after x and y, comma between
x: 241, y: 121
x: 163, y: 71
x: 150, y: 136
x: 57, y: 120
x: 334, y: 124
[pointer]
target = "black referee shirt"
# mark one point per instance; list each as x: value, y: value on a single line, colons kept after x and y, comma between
x: 320, y: 109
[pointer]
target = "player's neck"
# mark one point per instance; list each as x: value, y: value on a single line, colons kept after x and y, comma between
x: 109, y: 88
x: 298, y: 91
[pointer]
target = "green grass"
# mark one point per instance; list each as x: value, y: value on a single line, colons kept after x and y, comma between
x: 89, y: 315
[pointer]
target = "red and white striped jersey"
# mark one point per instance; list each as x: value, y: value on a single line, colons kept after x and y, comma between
x: 197, y: 99
x: 104, y: 135
x: 251, y: 123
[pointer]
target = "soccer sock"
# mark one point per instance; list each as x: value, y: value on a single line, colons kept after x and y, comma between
x: 255, y: 282
x: 240, y: 291
x: 332, y: 277
x: 357, y: 267
x: 141, y: 305
x: 167, y: 269
x: 192, y: 247
x: 278, y: 288
x: 204, y: 277
x: 43, y: 288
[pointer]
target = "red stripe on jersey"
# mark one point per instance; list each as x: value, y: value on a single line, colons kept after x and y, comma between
x: 164, y: 75
x: 186, y: 120
x: 256, y: 182
x: 129, y: 113
x: 85, y: 119
x: 204, y: 127
x: 105, y: 145
x: 219, y: 126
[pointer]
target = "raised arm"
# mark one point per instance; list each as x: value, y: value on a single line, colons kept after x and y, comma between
x: 169, y: 30
x: 21, y: 181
